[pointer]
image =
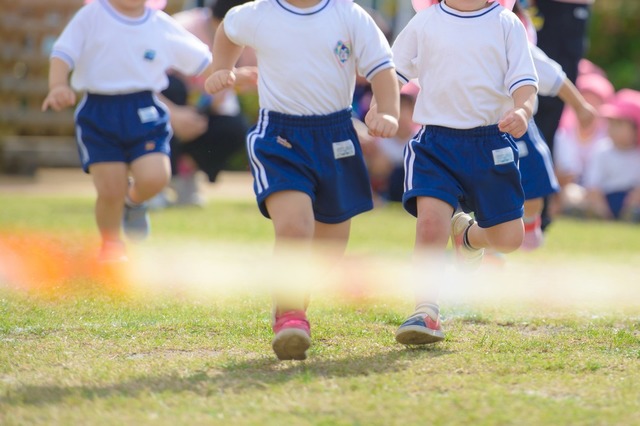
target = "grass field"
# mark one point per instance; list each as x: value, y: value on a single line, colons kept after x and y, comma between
x: 183, y: 336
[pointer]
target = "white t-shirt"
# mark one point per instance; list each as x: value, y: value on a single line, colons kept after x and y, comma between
x: 467, y: 63
x: 614, y: 170
x: 308, y: 58
x: 573, y: 156
x: 110, y: 53
x: 550, y: 73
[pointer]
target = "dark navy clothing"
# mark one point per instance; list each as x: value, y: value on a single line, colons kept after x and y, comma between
x: 121, y: 128
x: 475, y: 168
x: 536, y: 165
x: 319, y: 155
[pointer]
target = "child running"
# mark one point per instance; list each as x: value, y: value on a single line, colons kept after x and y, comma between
x: 478, y: 89
x: 309, y: 174
x: 120, y: 52
x: 536, y: 168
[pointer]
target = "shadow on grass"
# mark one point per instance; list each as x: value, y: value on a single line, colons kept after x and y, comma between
x: 230, y: 377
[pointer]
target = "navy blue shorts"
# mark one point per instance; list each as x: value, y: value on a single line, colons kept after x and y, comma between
x: 475, y: 168
x: 121, y: 128
x: 536, y: 166
x: 317, y: 155
x: 615, y: 201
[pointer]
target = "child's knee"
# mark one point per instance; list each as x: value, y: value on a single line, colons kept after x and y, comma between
x: 508, y: 238
x: 153, y: 182
x: 432, y: 231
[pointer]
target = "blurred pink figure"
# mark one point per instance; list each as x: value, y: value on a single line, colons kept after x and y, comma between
x: 613, y: 179
x: 575, y: 145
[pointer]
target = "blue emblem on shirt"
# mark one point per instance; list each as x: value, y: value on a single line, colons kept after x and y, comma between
x: 342, y: 51
x: 149, y: 54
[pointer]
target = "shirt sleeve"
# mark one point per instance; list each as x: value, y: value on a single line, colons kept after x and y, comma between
x: 372, y: 49
x: 521, y: 70
x: 191, y: 56
x: 68, y: 46
x: 241, y: 22
x: 550, y: 73
x: 405, y: 52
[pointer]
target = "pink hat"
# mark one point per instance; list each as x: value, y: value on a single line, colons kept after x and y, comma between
x: 419, y: 5
x: 585, y: 66
x: 596, y: 84
x: 624, y: 105
x: 152, y: 4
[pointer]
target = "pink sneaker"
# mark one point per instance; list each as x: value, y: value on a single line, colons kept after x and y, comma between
x: 533, y: 236
x: 293, y: 335
x: 112, y: 252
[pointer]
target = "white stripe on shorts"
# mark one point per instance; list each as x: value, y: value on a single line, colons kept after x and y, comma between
x: 262, y: 184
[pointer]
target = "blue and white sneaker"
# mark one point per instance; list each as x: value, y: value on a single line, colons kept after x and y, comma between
x: 420, y: 329
x: 136, y: 222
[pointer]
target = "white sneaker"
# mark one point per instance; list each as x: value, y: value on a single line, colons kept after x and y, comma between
x: 467, y: 258
x: 136, y: 223
x: 186, y: 188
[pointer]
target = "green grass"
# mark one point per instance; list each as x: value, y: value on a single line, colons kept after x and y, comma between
x: 76, y: 353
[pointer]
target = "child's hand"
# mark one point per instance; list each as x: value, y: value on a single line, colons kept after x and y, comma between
x: 246, y: 78
x: 59, y: 98
x: 219, y: 80
x: 586, y: 115
x: 381, y: 125
x: 515, y: 122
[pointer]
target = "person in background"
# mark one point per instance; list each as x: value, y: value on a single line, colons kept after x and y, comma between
x: 385, y: 156
x: 120, y: 52
x: 536, y: 165
x: 576, y: 144
x: 612, y: 180
x: 208, y: 130
x: 562, y: 35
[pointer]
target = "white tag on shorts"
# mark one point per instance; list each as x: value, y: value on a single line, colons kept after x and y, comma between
x: 523, y: 151
x: 343, y: 149
x: 148, y: 114
x: 503, y: 156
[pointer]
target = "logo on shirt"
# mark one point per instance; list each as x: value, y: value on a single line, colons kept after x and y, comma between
x: 149, y: 54
x: 342, y: 51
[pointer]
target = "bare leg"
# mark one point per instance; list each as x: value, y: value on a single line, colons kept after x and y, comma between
x: 432, y: 236
x: 110, y: 181
x: 151, y: 173
x: 292, y: 216
x: 294, y: 225
x: 505, y: 237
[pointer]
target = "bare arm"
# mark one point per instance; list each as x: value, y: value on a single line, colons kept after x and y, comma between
x: 382, y: 118
x: 524, y: 98
x: 60, y: 94
x: 516, y: 120
x: 225, y: 55
x: 571, y: 96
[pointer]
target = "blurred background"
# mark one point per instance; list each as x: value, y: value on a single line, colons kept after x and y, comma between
x: 30, y: 139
